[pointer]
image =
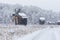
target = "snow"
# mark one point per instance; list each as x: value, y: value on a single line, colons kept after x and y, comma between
x: 23, y: 15
x: 45, y: 34
x: 33, y: 13
x: 42, y: 18
x: 58, y: 21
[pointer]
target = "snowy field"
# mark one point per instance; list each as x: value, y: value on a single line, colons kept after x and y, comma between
x: 45, y: 34
x: 15, y: 32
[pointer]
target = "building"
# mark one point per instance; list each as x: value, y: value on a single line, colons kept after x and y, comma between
x: 20, y: 18
x: 42, y: 20
x: 58, y: 22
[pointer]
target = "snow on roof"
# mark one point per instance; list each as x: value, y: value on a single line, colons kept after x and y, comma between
x: 42, y: 18
x: 58, y: 21
x: 23, y: 15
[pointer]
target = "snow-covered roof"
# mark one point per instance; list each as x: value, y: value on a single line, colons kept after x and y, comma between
x: 23, y: 15
x: 58, y: 21
x: 42, y: 18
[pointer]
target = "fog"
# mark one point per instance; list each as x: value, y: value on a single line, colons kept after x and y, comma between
x: 44, y: 4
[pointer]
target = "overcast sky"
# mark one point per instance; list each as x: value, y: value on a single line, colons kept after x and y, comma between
x: 44, y: 4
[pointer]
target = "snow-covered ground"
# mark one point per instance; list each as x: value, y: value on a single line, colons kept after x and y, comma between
x: 29, y: 32
x: 45, y: 34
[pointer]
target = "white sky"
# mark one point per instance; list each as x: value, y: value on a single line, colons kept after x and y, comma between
x: 44, y: 4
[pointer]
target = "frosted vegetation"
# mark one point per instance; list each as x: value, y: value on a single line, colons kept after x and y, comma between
x: 33, y: 13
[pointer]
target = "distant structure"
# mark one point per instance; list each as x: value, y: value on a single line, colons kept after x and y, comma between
x: 58, y: 22
x: 42, y: 20
x: 51, y: 23
x: 19, y: 18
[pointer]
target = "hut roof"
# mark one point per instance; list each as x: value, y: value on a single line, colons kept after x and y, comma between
x: 58, y: 21
x: 42, y: 18
x: 23, y: 15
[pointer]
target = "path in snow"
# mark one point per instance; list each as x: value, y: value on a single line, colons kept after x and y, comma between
x: 45, y: 34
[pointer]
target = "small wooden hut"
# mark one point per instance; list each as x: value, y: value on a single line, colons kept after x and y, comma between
x: 20, y: 19
x: 58, y: 22
x: 42, y: 20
